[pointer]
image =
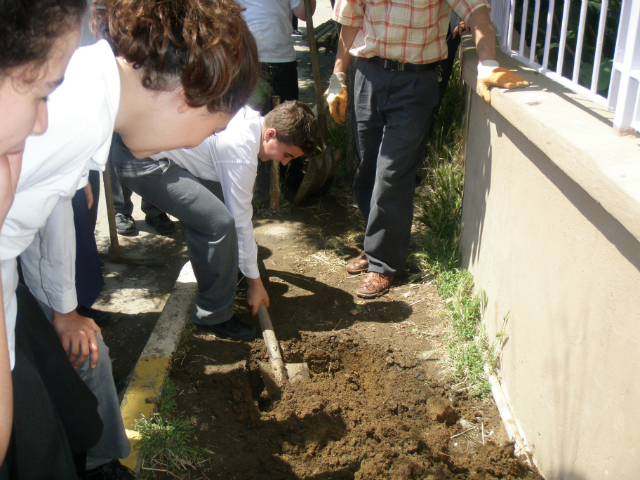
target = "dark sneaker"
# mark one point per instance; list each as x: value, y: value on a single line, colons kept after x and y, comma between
x: 234, y: 329
x: 162, y: 223
x: 125, y: 224
x: 113, y: 470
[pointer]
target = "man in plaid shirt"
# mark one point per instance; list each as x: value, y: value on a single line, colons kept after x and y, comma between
x: 399, y: 43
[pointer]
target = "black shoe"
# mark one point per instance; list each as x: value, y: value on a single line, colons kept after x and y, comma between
x: 98, y: 316
x: 161, y: 223
x: 125, y: 224
x: 234, y: 329
x: 113, y: 470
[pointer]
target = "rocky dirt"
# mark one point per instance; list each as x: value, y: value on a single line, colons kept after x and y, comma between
x: 376, y: 405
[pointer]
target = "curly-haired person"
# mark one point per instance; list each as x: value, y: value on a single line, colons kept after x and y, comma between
x: 168, y: 75
x: 48, y: 411
x: 208, y: 226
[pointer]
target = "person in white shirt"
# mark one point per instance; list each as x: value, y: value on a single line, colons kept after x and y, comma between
x: 270, y: 24
x: 156, y: 100
x: 38, y: 37
x: 192, y: 184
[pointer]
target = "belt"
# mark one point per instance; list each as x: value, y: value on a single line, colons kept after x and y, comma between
x: 395, y: 66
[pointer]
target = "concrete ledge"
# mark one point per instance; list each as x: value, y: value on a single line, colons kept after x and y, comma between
x: 151, y: 369
x: 550, y: 233
x: 587, y: 148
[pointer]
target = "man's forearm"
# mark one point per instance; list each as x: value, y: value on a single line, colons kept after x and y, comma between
x: 343, y: 57
x: 483, y: 34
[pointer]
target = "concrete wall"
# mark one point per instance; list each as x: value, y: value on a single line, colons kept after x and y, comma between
x: 551, y: 230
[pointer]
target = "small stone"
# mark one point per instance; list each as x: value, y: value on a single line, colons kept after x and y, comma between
x: 204, y: 426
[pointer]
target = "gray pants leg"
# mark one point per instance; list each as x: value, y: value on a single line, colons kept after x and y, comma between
x: 113, y: 442
x: 392, y: 113
x: 208, y: 227
x: 122, y: 197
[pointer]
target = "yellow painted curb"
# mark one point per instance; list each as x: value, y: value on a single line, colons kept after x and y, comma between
x: 151, y: 369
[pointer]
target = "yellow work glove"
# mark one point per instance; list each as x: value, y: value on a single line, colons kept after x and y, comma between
x: 490, y: 74
x: 336, y: 96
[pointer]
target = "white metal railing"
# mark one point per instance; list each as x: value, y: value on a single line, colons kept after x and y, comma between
x: 517, y: 21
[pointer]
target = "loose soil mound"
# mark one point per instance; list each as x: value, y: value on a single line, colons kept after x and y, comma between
x: 368, y: 411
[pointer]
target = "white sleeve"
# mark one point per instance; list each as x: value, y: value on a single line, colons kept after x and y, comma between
x: 236, y: 180
x: 49, y: 263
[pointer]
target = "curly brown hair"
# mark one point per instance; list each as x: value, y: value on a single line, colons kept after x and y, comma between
x: 295, y: 125
x: 204, y: 45
x: 29, y: 28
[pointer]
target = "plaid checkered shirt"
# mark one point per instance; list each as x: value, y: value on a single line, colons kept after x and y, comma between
x: 409, y: 31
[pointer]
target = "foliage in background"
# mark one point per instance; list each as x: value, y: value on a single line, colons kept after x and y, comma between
x: 440, y: 200
x: 439, y: 203
x: 165, y: 438
x: 589, y: 40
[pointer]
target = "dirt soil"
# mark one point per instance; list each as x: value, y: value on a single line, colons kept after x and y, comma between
x: 376, y: 405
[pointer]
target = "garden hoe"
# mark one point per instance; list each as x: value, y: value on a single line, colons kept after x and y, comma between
x: 276, y: 374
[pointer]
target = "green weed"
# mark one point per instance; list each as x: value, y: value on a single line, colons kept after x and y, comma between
x: 467, y: 343
x: 439, y: 201
x: 164, y: 443
x: 165, y: 438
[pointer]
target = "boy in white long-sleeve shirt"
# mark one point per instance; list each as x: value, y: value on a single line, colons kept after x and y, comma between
x: 226, y: 164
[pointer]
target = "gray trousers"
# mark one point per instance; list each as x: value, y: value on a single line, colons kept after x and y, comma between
x: 113, y: 442
x: 209, y: 228
x: 392, y: 114
x: 122, y: 198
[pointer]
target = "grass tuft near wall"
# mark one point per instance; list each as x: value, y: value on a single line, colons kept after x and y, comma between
x: 439, y: 202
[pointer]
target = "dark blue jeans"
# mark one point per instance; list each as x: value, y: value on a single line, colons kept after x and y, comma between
x: 392, y: 114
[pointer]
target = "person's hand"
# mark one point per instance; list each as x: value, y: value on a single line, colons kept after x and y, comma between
x: 256, y: 295
x: 460, y: 29
x: 337, y: 97
x: 89, y: 194
x: 494, y: 76
x: 78, y: 334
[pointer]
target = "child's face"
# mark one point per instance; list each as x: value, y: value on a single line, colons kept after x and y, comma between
x: 273, y: 150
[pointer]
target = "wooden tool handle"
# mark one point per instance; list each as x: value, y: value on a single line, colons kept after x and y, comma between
x: 270, y: 340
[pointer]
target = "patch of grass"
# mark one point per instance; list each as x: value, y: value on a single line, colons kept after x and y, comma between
x: 164, y: 443
x: 467, y: 343
x: 439, y: 203
x: 165, y: 438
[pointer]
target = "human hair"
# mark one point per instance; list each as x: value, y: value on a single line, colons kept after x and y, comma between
x: 204, y: 46
x: 295, y: 124
x: 29, y: 29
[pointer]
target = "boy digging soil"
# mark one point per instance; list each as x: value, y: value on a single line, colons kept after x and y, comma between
x: 192, y: 184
